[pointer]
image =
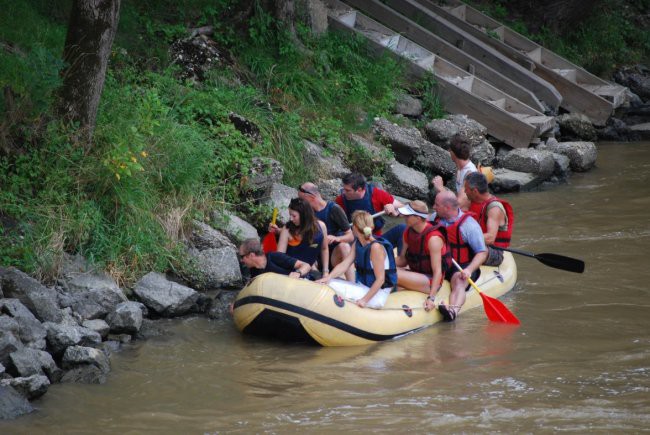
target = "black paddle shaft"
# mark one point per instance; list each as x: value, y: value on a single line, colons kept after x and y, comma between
x: 551, y: 260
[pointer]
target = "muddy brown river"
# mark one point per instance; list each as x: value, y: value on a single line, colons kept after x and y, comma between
x: 579, y: 362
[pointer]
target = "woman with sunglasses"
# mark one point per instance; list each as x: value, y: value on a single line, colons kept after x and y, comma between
x: 375, y: 264
x: 305, y: 237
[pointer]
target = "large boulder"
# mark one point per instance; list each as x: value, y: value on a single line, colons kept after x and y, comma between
x: 166, y: 298
x: 637, y: 78
x: 506, y: 180
x: 404, y: 181
x: 483, y: 154
x: 30, y: 331
x: 9, y: 341
x: 214, y: 268
x: 98, y: 325
x: 40, y: 300
x: 125, y: 319
x: 263, y: 173
x: 582, y: 155
x: 435, y: 160
x: 529, y: 160
x: 60, y: 337
x: 78, y: 355
x: 408, y: 105
x: 12, y: 403
x: 576, y: 126
x: 28, y: 362
x: 233, y: 226
x: 405, y: 142
x: 321, y: 163
x: 368, y: 156
x: 440, y: 131
x: 31, y: 387
x: 280, y: 196
x: 205, y: 237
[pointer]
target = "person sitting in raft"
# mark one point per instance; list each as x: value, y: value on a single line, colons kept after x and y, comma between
x: 253, y: 256
x: 305, y: 237
x: 357, y: 194
x: 466, y: 245
x: 494, y: 215
x: 459, y: 149
x: 423, y: 251
x: 375, y: 263
x: 339, y: 234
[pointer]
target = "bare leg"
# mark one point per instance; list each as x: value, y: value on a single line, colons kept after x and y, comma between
x: 413, y: 280
x: 458, y: 293
x: 340, y: 252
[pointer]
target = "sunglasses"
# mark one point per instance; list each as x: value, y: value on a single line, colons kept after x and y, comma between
x: 301, y: 189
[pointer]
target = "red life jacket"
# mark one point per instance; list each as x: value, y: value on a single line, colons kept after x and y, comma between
x: 417, y: 254
x: 479, y: 210
x: 458, y: 249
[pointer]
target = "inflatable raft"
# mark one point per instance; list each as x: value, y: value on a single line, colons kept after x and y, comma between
x: 291, y: 309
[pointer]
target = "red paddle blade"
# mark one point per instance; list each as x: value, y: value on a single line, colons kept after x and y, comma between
x: 497, y: 312
x: 269, y: 243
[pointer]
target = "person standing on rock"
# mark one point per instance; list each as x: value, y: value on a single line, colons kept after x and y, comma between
x: 357, y: 194
x: 339, y: 234
x: 494, y: 215
x: 460, y: 150
x: 466, y: 245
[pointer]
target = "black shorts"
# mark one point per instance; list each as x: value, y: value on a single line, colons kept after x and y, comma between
x: 475, y: 275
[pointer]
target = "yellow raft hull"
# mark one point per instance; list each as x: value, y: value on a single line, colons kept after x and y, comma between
x: 290, y: 309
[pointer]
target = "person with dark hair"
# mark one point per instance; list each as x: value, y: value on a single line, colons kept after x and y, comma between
x: 424, y: 253
x: 305, y: 237
x: 460, y: 150
x: 339, y: 234
x: 465, y: 244
x: 375, y: 264
x: 494, y: 215
x: 252, y: 255
x: 357, y: 194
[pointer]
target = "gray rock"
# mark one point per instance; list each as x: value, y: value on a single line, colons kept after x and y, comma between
x: 264, y: 172
x: 369, y: 157
x: 96, y: 303
x: 408, y: 105
x: 245, y: 126
x: 98, y: 325
x: 329, y: 189
x: 12, y: 404
x: 576, y: 126
x: 405, y: 142
x: 483, y: 154
x: 40, y: 300
x: 82, y: 282
x: 637, y: 78
x: 60, y: 337
x: 28, y: 362
x: 582, y: 155
x: 9, y: 341
x: 233, y: 226
x: 280, y: 196
x: 436, y: 160
x: 126, y: 318
x: 214, y: 268
x: 440, y: 131
x: 321, y: 164
x: 404, y: 181
x: 31, y: 387
x: 205, y: 237
x: 166, y: 298
x: 219, y: 308
x: 80, y: 355
x: 562, y: 167
x: 640, y: 132
x: 30, y: 331
x: 614, y: 130
x: 151, y: 328
x: 529, y: 160
x: 506, y: 180
x: 84, y: 374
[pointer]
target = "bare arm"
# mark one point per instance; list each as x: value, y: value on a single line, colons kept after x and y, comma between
x: 340, y: 268
x: 346, y: 237
x: 324, y: 250
x: 300, y: 269
x: 284, y: 240
x: 400, y: 260
x: 495, y: 218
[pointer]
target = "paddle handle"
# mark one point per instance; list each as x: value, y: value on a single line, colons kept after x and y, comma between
x: 516, y: 251
x: 460, y: 269
x: 275, y: 215
x: 379, y: 213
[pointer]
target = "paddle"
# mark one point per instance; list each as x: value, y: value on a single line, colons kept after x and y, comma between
x: 379, y: 213
x: 552, y: 260
x: 494, y: 309
x: 269, y: 244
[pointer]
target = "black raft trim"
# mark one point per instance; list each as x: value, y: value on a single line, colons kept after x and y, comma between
x: 319, y: 317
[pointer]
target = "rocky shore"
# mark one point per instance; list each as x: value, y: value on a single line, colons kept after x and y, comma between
x: 67, y: 331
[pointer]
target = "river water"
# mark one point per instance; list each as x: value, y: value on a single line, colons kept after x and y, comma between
x: 579, y: 362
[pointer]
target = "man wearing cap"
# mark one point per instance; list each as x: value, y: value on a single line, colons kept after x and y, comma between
x: 339, y: 234
x: 466, y: 245
x: 423, y: 251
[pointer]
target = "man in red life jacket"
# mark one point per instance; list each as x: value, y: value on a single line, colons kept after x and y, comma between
x: 494, y: 215
x: 466, y: 245
x: 357, y: 194
x: 459, y: 150
x: 339, y: 234
x: 423, y: 252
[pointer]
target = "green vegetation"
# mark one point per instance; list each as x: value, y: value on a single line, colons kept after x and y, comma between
x: 164, y: 150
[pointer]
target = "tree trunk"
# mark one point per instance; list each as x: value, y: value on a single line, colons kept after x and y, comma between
x: 91, y: 31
